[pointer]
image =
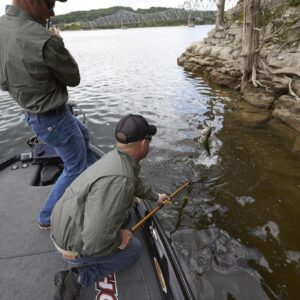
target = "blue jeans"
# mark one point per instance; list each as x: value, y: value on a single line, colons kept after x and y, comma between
x: 70, y: 139
x: 92, y: 269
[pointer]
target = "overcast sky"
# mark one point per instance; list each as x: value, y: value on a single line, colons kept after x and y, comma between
x: 74, y: 5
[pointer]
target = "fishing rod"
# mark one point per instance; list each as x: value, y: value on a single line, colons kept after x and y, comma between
x: 160, y: 206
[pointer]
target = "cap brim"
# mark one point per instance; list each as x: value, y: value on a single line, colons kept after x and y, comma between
x: 62, y: 0
x: 152, y: 130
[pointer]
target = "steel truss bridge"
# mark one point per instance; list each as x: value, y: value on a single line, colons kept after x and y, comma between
x: 124, y: 17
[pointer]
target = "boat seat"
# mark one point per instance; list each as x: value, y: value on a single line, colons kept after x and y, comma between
x: 44, y: 153
x: 49, y: 174
x: 50, y: 164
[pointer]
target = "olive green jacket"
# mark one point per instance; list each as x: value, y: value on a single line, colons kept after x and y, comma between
x: 35, y: 66
x: 88, y: 217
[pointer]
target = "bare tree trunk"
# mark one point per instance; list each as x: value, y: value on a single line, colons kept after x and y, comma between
x: 250, y: 39
x: 220, y: 15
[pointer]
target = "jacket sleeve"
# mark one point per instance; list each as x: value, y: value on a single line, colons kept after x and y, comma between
x: 60, y: 62
x: 104, y: 214
x: 144, y: 191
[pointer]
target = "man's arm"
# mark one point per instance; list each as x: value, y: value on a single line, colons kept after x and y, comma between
x: 60, y: 62
x: 144, y: 191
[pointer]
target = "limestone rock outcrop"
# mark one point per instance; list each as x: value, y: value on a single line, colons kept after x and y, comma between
x: 219, y: 57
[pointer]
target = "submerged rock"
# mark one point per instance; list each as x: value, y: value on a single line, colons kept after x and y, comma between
x: 287, y: 109
x: 202, y: 249
x: 216, y: 265
x: 258, y: 97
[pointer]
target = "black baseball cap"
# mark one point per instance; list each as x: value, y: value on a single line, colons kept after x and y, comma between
x: 133, y: 128
x: 51, y: 4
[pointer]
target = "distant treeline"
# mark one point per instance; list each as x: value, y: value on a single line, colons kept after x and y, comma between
x: 76, y: 20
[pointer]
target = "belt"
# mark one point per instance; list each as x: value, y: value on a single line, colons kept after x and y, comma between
x: 69, y: 255
x: 53, y: 112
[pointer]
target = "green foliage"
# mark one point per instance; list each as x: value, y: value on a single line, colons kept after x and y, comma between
x: 82, y: 16
x: 73, y: 26
x: 294, y: 3
x: 150, y: 10
x: 268, y: 14
x: 238, y: 18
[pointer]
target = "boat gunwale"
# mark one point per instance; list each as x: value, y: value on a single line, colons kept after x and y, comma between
x: 179, y: 273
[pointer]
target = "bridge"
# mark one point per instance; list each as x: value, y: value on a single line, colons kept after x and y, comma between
x: 126, y: 18
x: 190, y: 11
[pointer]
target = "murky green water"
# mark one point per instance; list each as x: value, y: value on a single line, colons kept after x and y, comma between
x: 236, y: 230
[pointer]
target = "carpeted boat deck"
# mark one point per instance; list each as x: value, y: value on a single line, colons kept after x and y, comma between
x: 28, y: 260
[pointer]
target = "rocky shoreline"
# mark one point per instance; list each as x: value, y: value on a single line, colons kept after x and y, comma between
x: 219, y: 57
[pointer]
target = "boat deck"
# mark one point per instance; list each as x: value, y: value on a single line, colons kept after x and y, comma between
x: 28, y: 259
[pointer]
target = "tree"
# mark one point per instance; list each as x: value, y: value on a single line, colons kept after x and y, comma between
x: 220, y: 14
x: 250, y: 39
x: 252, y: 46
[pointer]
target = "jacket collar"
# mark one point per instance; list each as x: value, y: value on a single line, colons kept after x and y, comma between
x: 12, y: 10
x: 135, y: 165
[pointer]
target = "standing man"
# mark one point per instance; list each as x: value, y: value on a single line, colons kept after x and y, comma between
x: 36, y: 68
x: 87, y: 220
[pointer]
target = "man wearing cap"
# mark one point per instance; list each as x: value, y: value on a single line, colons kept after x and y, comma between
x: 36, y: 68
x: 87, y: 220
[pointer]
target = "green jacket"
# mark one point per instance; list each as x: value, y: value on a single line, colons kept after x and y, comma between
x: 88, y: 217
x: 35, y: 66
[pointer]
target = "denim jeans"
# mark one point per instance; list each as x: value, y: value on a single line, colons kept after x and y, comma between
x: 92, y: 269
x: 70, y: 139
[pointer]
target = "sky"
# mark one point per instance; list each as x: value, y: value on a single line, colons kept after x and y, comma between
x: 74, y: 5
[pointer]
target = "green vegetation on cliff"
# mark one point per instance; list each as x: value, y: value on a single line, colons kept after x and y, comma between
x: 90, y: 15
x: 294, y: 2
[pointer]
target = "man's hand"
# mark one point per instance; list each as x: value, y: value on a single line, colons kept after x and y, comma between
x: 54, y: 31
x: 162, y: 198
x: 126, y: 236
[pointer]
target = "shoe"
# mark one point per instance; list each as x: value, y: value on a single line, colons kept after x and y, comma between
x: 59, y: 279
x: 66, y: 285
x: 72, y: 288
x: 44, y: 226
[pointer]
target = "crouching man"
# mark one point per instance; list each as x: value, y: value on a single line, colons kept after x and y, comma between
x: 87, y: 221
